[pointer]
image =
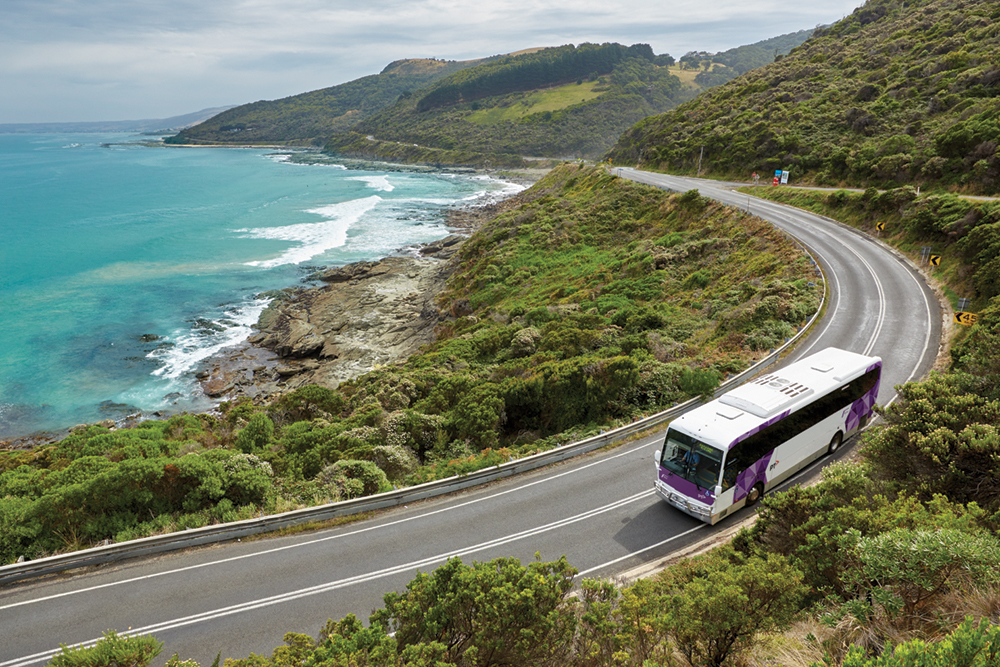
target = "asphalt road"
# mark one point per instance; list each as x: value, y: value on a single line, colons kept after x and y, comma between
x: 599, y: 510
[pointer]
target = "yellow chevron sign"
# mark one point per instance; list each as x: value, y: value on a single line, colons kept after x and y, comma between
x: 968, y: 319
x: 935, y: 260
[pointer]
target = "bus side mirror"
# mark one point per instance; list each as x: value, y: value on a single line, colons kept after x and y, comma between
x: 718, y: 490
x: 657, y: 454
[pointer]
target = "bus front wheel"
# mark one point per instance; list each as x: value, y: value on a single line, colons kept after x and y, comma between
x: 835, y: 443
x: 755, y: 493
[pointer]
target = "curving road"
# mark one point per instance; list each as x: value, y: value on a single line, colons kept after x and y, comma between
x: 600, y: 510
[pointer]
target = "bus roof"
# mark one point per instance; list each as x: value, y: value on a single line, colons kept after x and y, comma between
x: 772, y: 395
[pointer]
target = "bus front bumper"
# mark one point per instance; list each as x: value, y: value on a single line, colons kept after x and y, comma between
x: 683, y: 503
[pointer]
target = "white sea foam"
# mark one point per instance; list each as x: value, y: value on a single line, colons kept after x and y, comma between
x: 207, y: 337
x: 380, y: 183
x: 313, y: 238
x: 286, y: 158
x: 485, y: 197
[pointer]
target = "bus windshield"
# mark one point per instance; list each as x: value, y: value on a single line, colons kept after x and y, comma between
x: 691, y: 459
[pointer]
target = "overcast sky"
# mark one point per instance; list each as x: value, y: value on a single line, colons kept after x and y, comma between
x: 91, y: 60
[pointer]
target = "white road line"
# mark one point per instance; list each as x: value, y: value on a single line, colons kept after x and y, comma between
x: 341, y: 583
x: 640, y: 551
x: 629, y: 450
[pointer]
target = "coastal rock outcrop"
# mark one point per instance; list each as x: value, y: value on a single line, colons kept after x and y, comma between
x: 367, y: 314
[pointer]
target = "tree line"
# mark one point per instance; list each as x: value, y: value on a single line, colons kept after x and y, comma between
x: 531, y: 71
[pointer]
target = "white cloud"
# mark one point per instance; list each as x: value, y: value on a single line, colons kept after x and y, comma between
x: 67, y: 60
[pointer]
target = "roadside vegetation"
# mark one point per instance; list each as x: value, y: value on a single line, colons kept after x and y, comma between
x: 594, y: 302
x: 891, y: 560
x: 963, y: 233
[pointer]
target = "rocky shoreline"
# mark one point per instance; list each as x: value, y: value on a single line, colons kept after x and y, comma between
x: 365, y: 315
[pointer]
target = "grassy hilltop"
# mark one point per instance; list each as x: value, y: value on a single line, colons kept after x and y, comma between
x: 895, y: 93
x: 310, y: 118
x: 559, y: 102
x: 556, y: 102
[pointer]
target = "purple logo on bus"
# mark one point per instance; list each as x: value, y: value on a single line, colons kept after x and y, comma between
x: 863, y: 407
x: 755, y: 473
x: 758, y: 471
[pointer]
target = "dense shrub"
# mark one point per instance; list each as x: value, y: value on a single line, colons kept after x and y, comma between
x: 940, y: 437
x: 718, y: 603
x: 495, y: 613
x: 112, y: 650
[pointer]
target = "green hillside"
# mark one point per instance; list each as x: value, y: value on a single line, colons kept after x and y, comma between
x: 567, y: 101
x: 311, y: 117
x: 895, y: 93
x: 718, y: 68
x: 556, y: 102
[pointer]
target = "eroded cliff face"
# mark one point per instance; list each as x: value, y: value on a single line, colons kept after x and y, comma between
x: 365, y: 315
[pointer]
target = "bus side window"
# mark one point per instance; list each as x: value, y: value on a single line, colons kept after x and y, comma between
x: 734, y: 465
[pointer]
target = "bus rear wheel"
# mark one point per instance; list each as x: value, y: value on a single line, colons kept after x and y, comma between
x: 835, y: 443
x: 755, y: 493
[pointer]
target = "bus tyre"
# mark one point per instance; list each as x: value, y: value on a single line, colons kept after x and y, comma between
x: 755, y: 493
x: 835, y: 443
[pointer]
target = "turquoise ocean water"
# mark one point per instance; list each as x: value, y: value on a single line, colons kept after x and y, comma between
x: 123, y: 266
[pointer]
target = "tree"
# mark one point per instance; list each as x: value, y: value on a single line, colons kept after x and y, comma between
x: 940, y: 437
x: 979, y: 352
x: 495, y: 613
x: 623, y: 627
x: 257, y: 434
x: 720, y: 602
x: 896, y: 575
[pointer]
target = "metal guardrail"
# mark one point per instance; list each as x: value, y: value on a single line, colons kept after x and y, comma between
x: 222, y: 533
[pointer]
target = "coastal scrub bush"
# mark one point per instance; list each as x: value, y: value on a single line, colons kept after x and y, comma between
x: 307, y: 403
x: 623, y: 626
x: 718, y: 603
x: 486, y: 614
x: 112, y: 650
x: 972, y: 644
x: 978, y: 353
x: 982, y: 245
x: 895, y: 576
x: 116, y: 498
x: 396, y: 461
x: 699, y: 382
x: 478, y: 416
x: 257, y: 434
x: 19, y: 529
x: 372, y: 479
x: 248, y: 480
x: 940, y: 437
x: 806, y: 523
